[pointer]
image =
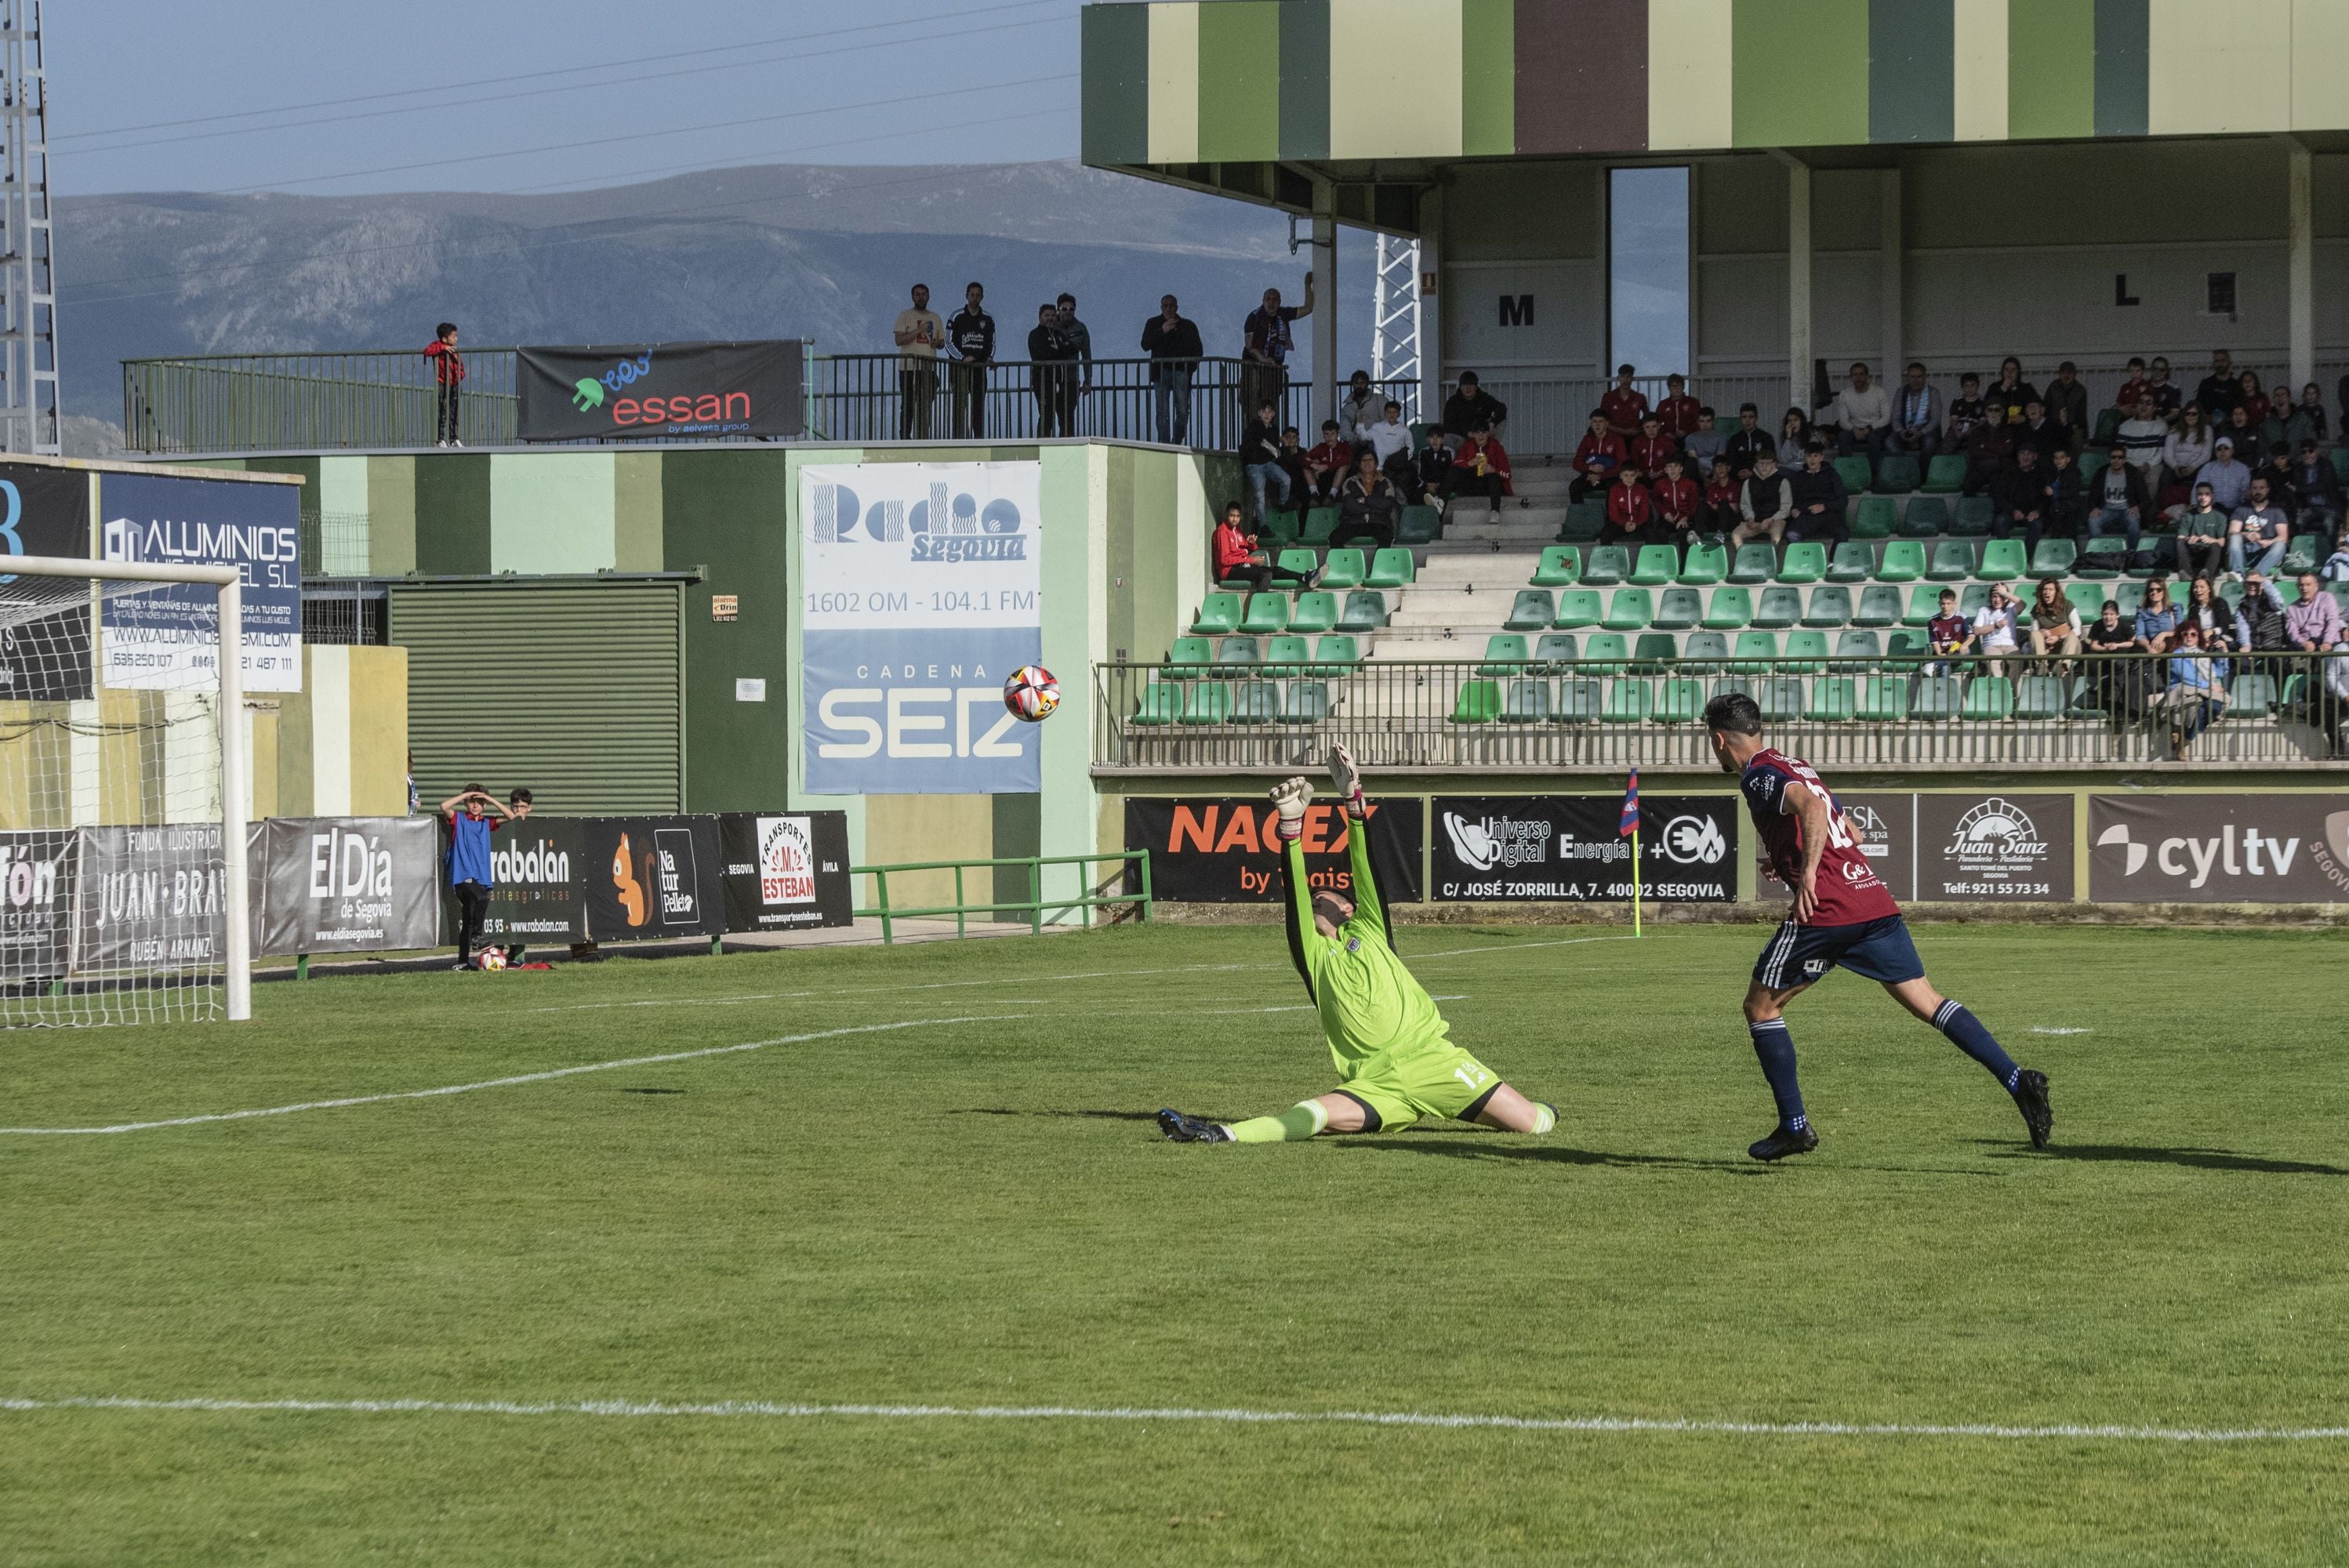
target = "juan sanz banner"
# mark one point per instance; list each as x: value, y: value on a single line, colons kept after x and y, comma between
x: 603, y: 391
x: 1224, y: 851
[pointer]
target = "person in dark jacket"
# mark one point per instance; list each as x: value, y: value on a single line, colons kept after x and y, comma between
x: 2021, y: 497
x: 2064, y: 511
x: 2115, y: 497
x: 1052, y: 376
x: 971, y: 334
x: 1820, y: 501
x: 1261, y: 464
x: 1368, y: 503
x: 1172, y: 341
x: 2316, y: 488
x: 2066, y: 398
x: 1989, y: 449
x: 1472, y: 407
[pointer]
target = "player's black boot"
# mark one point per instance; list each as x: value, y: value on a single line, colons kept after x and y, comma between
x: 1785, y: 1140
x: 2030, y: 1098
x: 1185, y: 1129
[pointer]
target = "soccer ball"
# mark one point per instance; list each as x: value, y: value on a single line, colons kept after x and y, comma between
x: 1032, y: 694
x: 491, y: 959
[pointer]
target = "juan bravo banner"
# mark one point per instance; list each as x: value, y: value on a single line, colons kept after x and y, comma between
x: 1224, y: 851
x: 600, y: 391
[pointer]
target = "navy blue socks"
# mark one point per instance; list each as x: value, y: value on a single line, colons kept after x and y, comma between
x: 1966, y: 1033
x: 1776, y: 1048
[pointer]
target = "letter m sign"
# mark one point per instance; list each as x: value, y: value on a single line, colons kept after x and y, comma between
x: 1517, y: 310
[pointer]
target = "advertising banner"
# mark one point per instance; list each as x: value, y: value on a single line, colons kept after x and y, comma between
x: 37, y: 903
x: 599, y: 391
x: 167, y: 639
x: 1560, y: 848
x: 536, y: 866
x: 922, y: 591
x: 1225, y: 850
x: 46, y: 512
x: 785, y: 871
x: 1885, y: 827
x: 2219, y: 849
x: 349, y: 885
x: 151, y: 897
x: 651, y: 877
x: 1967, y: 848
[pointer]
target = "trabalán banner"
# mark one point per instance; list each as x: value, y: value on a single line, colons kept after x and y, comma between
x: 349, y: 884
x: 1973, y: 847
x: 1225, y: 850
x: 649, y: 877
x: 921, y: 589
x: 37, y: 903
x: 599, y: 391
x: 167, y: 638
x: 535, y: 867
x: 1564, y: 848
x: 153, y: 898
x: 786, y: 871
x: 2219, y: 849
x: 46, y: 512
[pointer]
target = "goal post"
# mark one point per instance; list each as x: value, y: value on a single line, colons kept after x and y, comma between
x: 123, y: 738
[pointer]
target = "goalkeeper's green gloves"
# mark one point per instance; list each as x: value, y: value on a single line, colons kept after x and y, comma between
x: 1349, y: 780
x: 1291, y: 797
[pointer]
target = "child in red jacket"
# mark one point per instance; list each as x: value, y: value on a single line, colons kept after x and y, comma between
x: 449, y: 367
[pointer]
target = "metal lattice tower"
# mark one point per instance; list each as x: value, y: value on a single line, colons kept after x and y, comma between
x: 28, y: 289
x: 1394, y: 336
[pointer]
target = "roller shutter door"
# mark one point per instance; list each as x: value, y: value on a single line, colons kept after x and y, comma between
x: 573, y: 688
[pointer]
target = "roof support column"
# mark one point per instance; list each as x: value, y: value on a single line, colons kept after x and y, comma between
x: 1892, y: 268
x: 1799, y: 358
x: 2301, y: 229
x: 1431, y: 305
x: 1325, y: 307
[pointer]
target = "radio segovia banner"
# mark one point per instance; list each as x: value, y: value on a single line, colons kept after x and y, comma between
x: 598, y: 392
x: 921, y: 590
x: 167, y: 638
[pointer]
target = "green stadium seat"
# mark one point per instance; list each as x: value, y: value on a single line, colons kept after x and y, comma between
x: 2252, y: 696
x: 1882, y: 699
x: 1808, y: 647
x: 1266, y: 613
x: 1805, y: 564
x: 1906, y: 645
x: 2295, y: 692
x: 1946, y: 475
x: 1189, y: 655
x: 1853, y: 562
x: 2301, y: 554
x: 2108, y: 425
x: 1879, y: 605
x: 1282, y: 524
x: 1580, y: 701
x: 1733, y: 685
x: 1504, y: 655
x: 1989, y: 696
x: 1857, y: 653
x: 1533, y: 612
x: 1239, y: 651
x: 1972, y: 517
x: 1528, y: 702
x: 2130, y: 597
x: 1973, y: 598
x: 2002, y: 560
x: 1834, y: 700
x: 1830, y: 608
x: 1308, y: 702
x: 1217, y: 612
x: 1927, y: 517
x: 1705, y: 651
x: 2053, y: 558
x: 1924, y: 604
x: 1315, y: 610
x: 2340, y: 463
x: 1904, y: 562
x: 1479, y: 702
x: 1606, y: 567
x: 1731, y: 608
x: 1679, y: 609
x: 1585, y: 520
x: 1418, y: 525
x: 1320, y: 523
x: 1679, y: 701
x: 1207, y: 702
x: 1779, y: 608
x: 1953, y: 562
x: 1706, y: 564
x: 1334, y: 655
x: 1780, y: 698
x: 1632, y: 610
x: 1756, y: 655
x: 1656, y: 565
x: 1561, y: 567
x: 1876, y: 517
x: 1344, y: 569
x: 1628, y: 702
x: 1857, y: 474
x: 1162, y: 703
x: 2088, y: 598
x: 1420, y: 431
x: 1577, y: 608
x: 1898, y: 473
x: 2340, y: 592
x: 1255, y: 702
x: 1937, y: 698
x: 1287, y: 655
x: 2040, y: 698
x: 1366, y: 610
x: 1555, y: 650
x: 1390, y: 568
x: 1755, y: 563
x: 2103, y: 558
x: 1655, y: 651
x: 1606, y: 653
x: 1291, y: 567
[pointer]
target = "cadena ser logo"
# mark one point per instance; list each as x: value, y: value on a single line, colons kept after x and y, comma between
x: 943, y: 527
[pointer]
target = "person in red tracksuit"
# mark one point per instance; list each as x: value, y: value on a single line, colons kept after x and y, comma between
x: 1678, y: 498
x: 1238, y: 558
x: 449, y: 367
x: 1678, y: 411
x: 1721, y: 493
x: 1652, y: 445
x: 1623, y: 404
x: 1596, y: 459
x: 1630, y: 509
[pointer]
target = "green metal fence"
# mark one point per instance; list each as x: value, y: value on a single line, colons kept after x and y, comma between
x: 1034, y: 905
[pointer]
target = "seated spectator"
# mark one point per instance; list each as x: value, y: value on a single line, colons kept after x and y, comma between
x: 2117, y: 498
x: 2202, y: 532
x: 1359, y: 411
x: 2066, y: 509
x: 2229, y: 481
x: 1260, y: 460
x: 1725, y: 490
x: 1917, y: 416
x: 1678, y: 411
x: 1480, y: 467
x: 1623, y: 404
x: 1651, y: 446
x: 1947, y: 634
x: 2311, y: 624
x: 2336, y: 565
x: 1748, y: 441
x: 2011, y: 394
x: 2067, y: 405
x: 2040, y: 429
x: 1966, y: 410
x: 1679, y: 504
x: 2021, y: 499
x: 2167, y: 394
x: 2222, y: 391
x: 2315, y: 490
x: 2254, y: 405
x: 2205, y: 609
x: 2134, y: 387
x: 1766, y: 504
x: 2257, y: 532
x: 1704, y: 445
x: 1820, y: 501
x: 1432, y: 470
x: 2194, y: 697
x: 2157, y: 619
x: 1470, y: 407
x: 1596, y: 458
x: 2238, y: 427
x: 2276, y: 469
x: 2142, y: 435
x: 1990, y: 447
x: 2191, y: 444
x: 1238, y: 556
x: 1328, y: 464
x: 2307, y: 423
x: 1794, y: 435
x: 1368, y: 503
x: 1390, y: 440
x: 1992, y: 635
x: 1630, y: 509
x: 2054, y: 622
x: 2262, y: 625
x: 2330, y: 705
x: 2108, y: 633
x: 1292, y: 463
x: 1861, y: 413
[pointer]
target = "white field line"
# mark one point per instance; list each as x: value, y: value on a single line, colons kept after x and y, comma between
x: 545, y: 1077
x: 2044, y: 1029
x: 1601, y: 1424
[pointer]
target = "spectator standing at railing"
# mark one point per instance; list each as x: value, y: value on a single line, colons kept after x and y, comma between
x: 1623, y: 404
x: 1260, y: 463
x: 448, y: 369
x: 1368, y: 503
x: 1820, y: 501
x: 1471, y: 407
x: 1704, y: 445
x: 2067, y: 404
x: 1748, y: 441
x: 2115, y: 497
x: 1860, y: 413
x: 1917, y: 416
x: 919, y: 333
x: 2220, y: 393
x: 1081, y: 338
x: 2202, y: 532
x: 1361, y: 409
x: 1238, y: 558
x: 1053, y: 374
x: 1172, y: 341
x: 1678, y: 411
x: 972, y: 332
x: 1265, y: 342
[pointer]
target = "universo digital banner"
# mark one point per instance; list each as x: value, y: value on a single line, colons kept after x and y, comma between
x: 167, y: 638
x: 921, y: 589
x: 1565, y: 848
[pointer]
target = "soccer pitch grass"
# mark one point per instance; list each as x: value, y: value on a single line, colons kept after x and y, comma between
x: 974, y: 1210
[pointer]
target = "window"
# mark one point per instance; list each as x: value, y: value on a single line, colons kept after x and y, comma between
x: 2220, y: 288
x: 1648, y: 269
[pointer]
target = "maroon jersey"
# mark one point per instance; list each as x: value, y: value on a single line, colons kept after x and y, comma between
x: 1850, y: 893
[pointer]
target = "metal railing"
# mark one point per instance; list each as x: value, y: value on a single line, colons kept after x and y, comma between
x: 1089, y: 897
x: 295, y: 402
x: 1479, y: 716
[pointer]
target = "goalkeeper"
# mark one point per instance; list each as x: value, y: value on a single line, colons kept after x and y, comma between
x: 1396, y: 1063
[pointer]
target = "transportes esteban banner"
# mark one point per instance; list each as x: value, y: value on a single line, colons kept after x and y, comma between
x: 603, y: 391
x: 1225, y: 850
x: 786, y: 871
x: 1560, y: 848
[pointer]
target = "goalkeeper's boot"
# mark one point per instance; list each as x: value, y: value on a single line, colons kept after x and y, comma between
x: 2030, y: 1098
x: 1785, y: 1140
x: 1185, y: 1129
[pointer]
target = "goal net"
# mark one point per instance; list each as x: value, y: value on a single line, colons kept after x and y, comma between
x: 121, y: 809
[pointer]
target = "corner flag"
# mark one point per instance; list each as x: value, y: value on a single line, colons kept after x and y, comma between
x: 1630, y: 822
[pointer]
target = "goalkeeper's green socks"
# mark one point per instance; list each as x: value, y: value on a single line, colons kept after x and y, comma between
x: 1301, y: 1121
x: 1544, y: 1117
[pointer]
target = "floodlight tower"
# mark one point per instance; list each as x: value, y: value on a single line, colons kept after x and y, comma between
x: 1394, y: 333
x: 28, y: 291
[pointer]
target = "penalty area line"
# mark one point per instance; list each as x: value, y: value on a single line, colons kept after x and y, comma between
x: 756, y: 1409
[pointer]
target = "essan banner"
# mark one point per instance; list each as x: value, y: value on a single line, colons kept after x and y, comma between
x: 603, y: 391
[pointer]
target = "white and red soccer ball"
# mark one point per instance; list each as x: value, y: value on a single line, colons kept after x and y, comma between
x: 1032, y: 694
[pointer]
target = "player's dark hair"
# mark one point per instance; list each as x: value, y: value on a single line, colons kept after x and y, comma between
x: 1733, y: 712
x: 444, y: 329
x: 521, y: 796
x: 475, y: 790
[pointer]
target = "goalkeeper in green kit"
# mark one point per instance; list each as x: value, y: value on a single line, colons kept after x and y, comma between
x: 1396, y: 1062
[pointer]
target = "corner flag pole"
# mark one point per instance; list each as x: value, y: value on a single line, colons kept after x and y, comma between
x: 1635, y: 881
x: 1629, y: 823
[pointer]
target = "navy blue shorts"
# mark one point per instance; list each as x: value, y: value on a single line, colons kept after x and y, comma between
x: 1873, y: 950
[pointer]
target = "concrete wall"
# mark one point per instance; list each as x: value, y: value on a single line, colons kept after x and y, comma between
x: 337, y: 747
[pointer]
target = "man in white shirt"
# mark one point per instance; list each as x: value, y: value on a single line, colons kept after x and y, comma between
x: 2142, y: 435
x: 1861, y: 412
x: 1391, y: 439
x: 1994, y: 628
x: 919, y: 333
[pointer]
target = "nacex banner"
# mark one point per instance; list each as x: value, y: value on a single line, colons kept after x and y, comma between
x: 2219, y: 849
x: 1225, y: 850
x: 708, y: 390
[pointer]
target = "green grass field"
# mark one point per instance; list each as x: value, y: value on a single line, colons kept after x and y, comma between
x: 976, y: 1212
